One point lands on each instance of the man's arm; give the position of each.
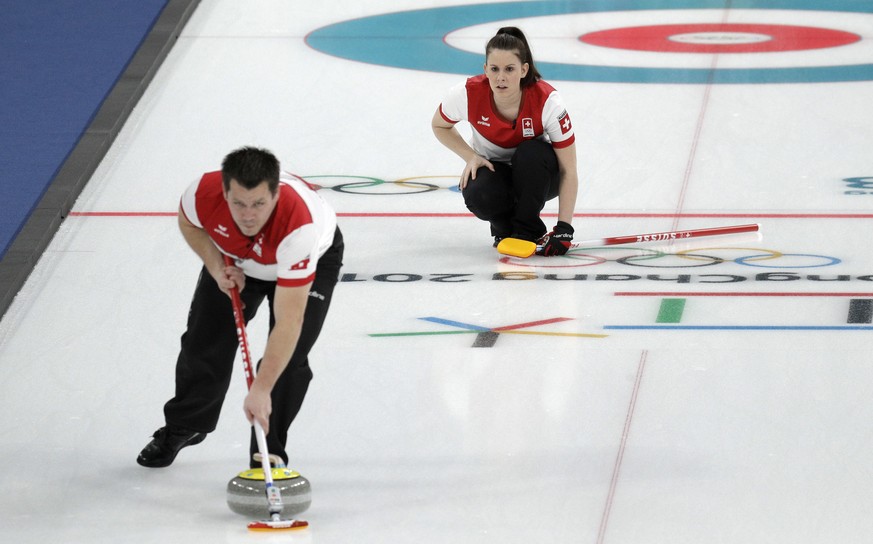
(289, 306)
(199, 241)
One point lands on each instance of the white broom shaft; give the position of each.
(274, 496)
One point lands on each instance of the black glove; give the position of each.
(556, 242)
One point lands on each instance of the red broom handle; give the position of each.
(241, 329)
(670, 235)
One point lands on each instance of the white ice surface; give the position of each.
(580, 432)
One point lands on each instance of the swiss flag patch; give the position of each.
(566, 124)
(301, 265)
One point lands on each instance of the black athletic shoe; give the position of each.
(166, 443)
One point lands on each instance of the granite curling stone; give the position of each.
(246, 492)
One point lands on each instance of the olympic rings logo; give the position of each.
(682, 259)
(366, 185)
(632, 256)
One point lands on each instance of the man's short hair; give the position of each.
(250, 166)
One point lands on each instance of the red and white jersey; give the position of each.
(298, 233)
(542, 115)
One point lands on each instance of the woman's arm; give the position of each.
(449, 136)
(569, 183)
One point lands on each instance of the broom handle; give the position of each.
(668, 236)
(274, 496)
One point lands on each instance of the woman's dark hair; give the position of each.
(250, 166)
(510, 38)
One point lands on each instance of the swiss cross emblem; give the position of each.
(527, 128)
(566, 125)
(301, 265)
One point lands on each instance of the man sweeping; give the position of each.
(286, 247)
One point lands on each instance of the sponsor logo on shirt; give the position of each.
(221, 231)
(484, 121)
(527, 130)
(564, 120)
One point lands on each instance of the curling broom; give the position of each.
(274, 496)
(524, 248)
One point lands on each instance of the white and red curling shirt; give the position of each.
(287, 248)
(542, 115)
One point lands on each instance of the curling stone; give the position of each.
(247, 495)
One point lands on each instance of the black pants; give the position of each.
(209, 346)
(512, 197)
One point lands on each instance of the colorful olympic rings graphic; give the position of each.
(375, 186)
(641, 257)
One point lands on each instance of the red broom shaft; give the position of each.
(678, 234)
(241, 329)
